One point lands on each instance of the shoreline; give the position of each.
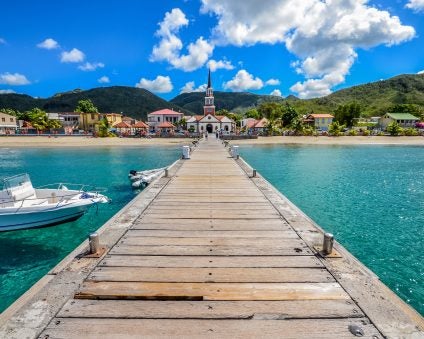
(66, 141)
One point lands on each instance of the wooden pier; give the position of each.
(211, 252)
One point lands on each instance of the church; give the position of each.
(209, 121)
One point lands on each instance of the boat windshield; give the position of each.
(18, 181)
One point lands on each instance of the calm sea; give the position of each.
(370, 197)
(25, 256)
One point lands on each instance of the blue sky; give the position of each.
(308, 48)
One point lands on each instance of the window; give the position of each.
(158, 119)
(201, 128)
(11, 119)
(3, 119)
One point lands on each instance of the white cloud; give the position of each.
(170, 45)
(159, 85)
(7, 91)
(103, 80)
(15, 79)
(421, 72)
(243, 81)
(272, 82)
(189, 87)
(324, 35)
(88, 66)
(74, 55)
(276, 92)
(214, 65)
(416, 5)
(48, 44)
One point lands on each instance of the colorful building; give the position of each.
(403, 119)
(8, 124)
(164, 115)
(320, 121)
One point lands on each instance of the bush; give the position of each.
(410, 132)
(366, 132)
(352, 132)
(394, 129)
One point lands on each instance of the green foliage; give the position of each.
(345, 114)
(289, 116)
(394, 128)
(335, 129)
(253, 113)
(86, 106)
(415, 110)
(366, 132)
(352, 132)
(9, 111)
(103, 128)
(271, 110)
(38, 119)
(410, 132)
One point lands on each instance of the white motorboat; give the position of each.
(22, 206)
(140, 179)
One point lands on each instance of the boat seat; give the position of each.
(23, 191)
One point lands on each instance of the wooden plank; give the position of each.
(210, 291)
(207, 214)
(197, 225)
(234, 275)
(207, 261)
(209, 250)
(131, 239)
(184, 309)
(169, 205)
(146, 220)
(178, 328)
(208, 234)
(209, 198)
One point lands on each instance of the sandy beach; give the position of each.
(45, 141)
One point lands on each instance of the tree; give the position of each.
(104, 127)
(253, 113)
(271, 110)
(394, 128)
(10, 111)
(182, 123)
(297, 126)
(38, 119)
(289, 115)
(335, 129)
(86, 106)
(346, 114)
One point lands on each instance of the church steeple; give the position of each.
(209, 107)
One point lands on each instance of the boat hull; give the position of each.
(42, 218)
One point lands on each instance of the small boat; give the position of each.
(140, 179)
(22, 206)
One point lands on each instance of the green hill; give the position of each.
(374, 99)
(235, 102)
(131, 101)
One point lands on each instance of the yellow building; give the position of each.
(113, 118)
(89, 121)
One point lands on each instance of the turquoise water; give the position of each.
(370, 197)
(25, 256)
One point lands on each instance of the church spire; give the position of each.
(209, 107)
(209, 79)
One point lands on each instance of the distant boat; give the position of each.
(22, 206)
(140, 179)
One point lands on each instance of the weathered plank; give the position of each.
(207, 261)
(262, 275)
(130, 239)
(209, 250)
(215, 214)
(186, 309)
(208, 234)
(210, 291)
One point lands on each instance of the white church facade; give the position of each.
(209, 121)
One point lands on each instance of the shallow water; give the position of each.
(370, 197)
(25, 256)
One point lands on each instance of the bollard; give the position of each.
(327, 246)
(94, 242)
(186, 152)
(237, 156)
(254, 173)
(235, 151)
(166, 173)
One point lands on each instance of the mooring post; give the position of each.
(166, 173)
(94, 242)
(254, 174)
(327, 246)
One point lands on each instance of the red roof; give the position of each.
(140, 124)
(121, 124)
(165, 111)
(261, 123)
(165, 124)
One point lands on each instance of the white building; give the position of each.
(163, 115)
(209, 121)
(8, 124)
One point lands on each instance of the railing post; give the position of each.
(94, 242)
